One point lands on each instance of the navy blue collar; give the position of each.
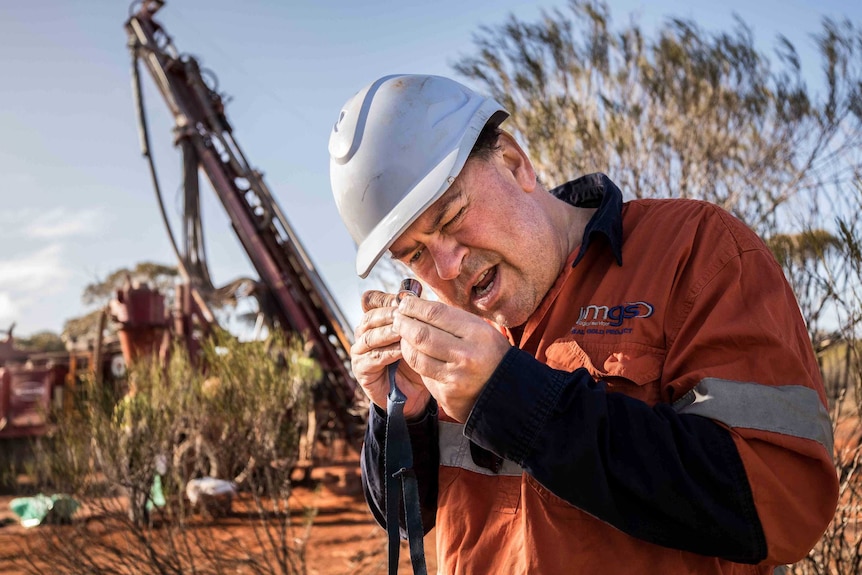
(597, 191)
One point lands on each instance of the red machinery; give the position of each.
(27, 390)
(33, 383)
(294, 295)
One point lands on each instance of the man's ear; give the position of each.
(517, 162)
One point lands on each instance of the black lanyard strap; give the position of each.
(398, 464)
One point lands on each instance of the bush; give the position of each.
(237, 418)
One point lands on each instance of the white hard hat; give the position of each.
(397, 146)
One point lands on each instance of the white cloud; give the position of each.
(32, 285)
(34, 275)
(11, 220)
(8, 309)
(60, 223)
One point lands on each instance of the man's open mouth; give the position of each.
(485, 284)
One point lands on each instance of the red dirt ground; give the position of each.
(343, 538)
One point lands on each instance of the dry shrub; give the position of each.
(236, 419)
(839, 551)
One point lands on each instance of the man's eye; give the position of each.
(454, 219)
(415, 257)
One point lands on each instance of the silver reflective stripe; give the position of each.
(788, 409)
(455, 452)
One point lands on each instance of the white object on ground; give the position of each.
(210, 490)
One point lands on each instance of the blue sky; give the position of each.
(77, 202)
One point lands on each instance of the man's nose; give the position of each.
(448, 256)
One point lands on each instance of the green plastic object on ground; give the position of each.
(39, 509)
(157, 496)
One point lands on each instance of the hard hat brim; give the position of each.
(408, 210)
(425, 193)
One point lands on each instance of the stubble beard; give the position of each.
(509, 310)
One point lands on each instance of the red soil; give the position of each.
(343, 537)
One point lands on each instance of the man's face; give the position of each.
(482, 246)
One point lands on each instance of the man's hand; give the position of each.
(377, 345)
(454, 351)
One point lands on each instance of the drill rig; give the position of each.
(290, 291)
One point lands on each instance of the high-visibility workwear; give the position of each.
(660, 412)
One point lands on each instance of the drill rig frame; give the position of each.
(296, 297)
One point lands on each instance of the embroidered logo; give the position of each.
(602, 315)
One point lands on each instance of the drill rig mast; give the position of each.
(299, 300)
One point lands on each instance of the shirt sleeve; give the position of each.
(666, 478)
(741, 357)
(426, 459)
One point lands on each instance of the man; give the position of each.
(603, 387)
